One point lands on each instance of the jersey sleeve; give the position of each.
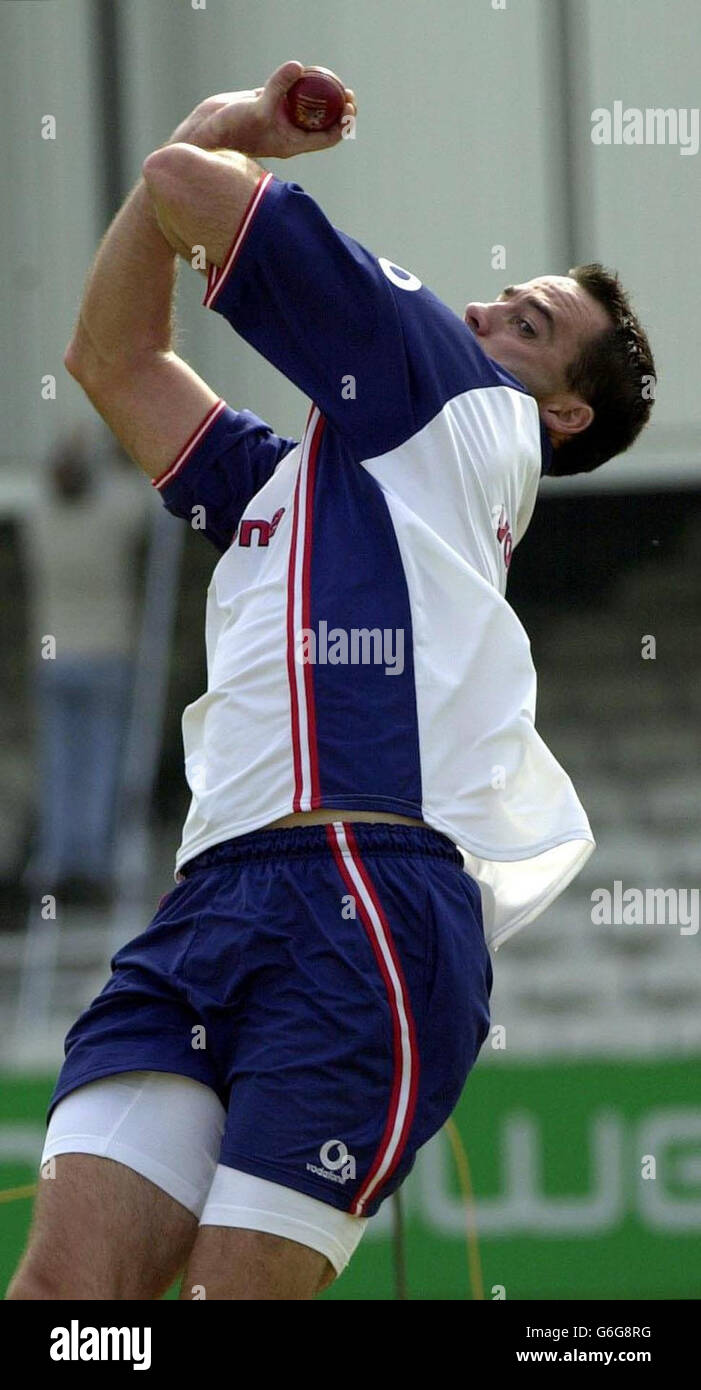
(227, 460)
(364, 339)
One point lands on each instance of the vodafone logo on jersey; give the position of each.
(503, 530)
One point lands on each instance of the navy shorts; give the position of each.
(330, 983)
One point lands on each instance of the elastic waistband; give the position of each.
(303, 840)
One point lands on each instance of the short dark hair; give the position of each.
(614, 372)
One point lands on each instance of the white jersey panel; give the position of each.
(490, 782)
(238, 759)
(456, 475)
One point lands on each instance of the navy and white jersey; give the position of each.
(361, 653)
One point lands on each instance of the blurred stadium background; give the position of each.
(473, 131)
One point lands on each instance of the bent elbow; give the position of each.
(72, 360)
(80, 357)
(152, 166)
(163, 165)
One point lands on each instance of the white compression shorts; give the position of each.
(168, 1128)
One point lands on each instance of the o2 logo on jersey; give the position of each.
(336, 1159)
(503, 530)
(403, 279)
(338, 1163)
(266, 530)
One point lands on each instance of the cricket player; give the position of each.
(373, 811)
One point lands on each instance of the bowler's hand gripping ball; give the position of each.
(316, 100)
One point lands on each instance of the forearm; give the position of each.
(126, 310)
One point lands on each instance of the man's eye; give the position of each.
(524, 324)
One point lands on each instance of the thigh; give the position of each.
(237, 1264)
(288, 1244)
(127, 1165)
(101, 1231)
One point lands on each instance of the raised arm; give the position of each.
(121, 351)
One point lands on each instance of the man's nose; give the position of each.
(477, 318)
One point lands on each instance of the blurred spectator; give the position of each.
(81, 539)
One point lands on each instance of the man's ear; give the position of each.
(565, 415)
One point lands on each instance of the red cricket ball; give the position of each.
(316, 100)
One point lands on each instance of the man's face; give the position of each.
(536, 329)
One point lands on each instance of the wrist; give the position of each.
(229, 125)
(201, 130)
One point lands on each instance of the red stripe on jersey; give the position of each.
(291, 673)
(315, 788)
(216, 277)
(188, 449)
